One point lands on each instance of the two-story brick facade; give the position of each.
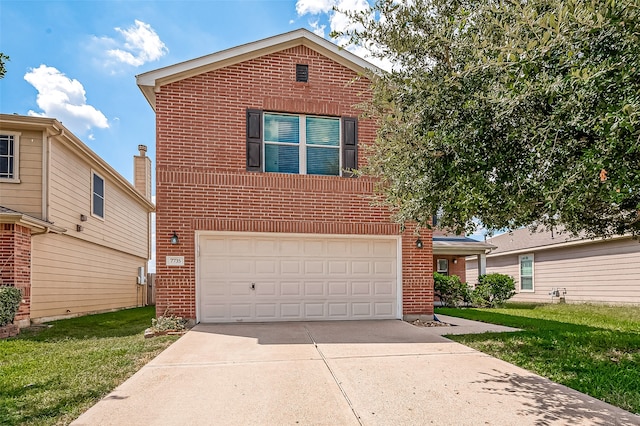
(254, 148)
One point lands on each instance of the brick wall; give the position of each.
(15, 265)
(202, 183)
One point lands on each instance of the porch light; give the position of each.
(419, 243)
(174, 238)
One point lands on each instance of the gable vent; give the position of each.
(302, 73)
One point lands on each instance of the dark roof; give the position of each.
(523, 238)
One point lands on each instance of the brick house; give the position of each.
(258, 217)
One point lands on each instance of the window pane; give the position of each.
(98, 185)
(526, 267)
(323, 131)
(98, 205)
(526, 283)
(323, 161)
(4, 144)
(281, 128)
(4, 168)
(281, 158)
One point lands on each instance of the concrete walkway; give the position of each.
(339, 373)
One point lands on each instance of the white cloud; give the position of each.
(141, 45)
(314, 7)
(317, 28)
(339, 22)
(64, 99)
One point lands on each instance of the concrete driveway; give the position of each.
(339, 373)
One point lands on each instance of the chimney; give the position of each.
(142, 172)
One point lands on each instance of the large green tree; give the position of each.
(523, 112)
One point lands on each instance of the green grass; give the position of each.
(591, 348)
(53, 375)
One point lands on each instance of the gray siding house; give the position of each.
(549, 266)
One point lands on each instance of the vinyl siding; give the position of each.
(26, 196)
(71, 277)
(601, 272)
(126, 222)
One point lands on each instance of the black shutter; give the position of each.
(349, 145)
(254, 140)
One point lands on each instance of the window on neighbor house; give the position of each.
(9, 156)
(97, 198)
(442, 266)
(526, 272)
(301, 144)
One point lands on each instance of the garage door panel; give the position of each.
(314, 267)
(338, 289)
(266, 288)
(296, 278)
(290, 310)
(337, 267)
(338, 310)
(314, 310)
(360, 267)
(312, 288)
(290, 267)
(288, 288)
(385, 288)
(361, 309)
(361, 288)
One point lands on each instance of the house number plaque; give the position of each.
(175, 260)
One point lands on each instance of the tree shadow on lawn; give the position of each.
(602, 362)
(550, 403)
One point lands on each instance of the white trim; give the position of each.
(203, 233)
(533, 274)
(104, 195)
(16, 156)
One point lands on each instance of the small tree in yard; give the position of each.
(493, 290)
(451, 291)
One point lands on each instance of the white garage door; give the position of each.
(291, 278)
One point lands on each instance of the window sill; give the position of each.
(7, 180)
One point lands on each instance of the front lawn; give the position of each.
(593, 349)
(52, 375)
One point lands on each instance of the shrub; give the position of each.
(10, 298)
(451, 291)
(493, 290)
(167, 323)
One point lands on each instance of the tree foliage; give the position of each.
(3, 69)
(512, 112)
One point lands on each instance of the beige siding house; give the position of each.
(550, 266)
(73, 232)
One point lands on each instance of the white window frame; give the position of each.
(302, 143)
(16, 157)
(442, 270)
(104, 195)
(533, 265)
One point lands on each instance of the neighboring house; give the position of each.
(258, 216)
(550, 265)
(73, 232)
(450, 253)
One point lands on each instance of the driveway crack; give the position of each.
(335, 378)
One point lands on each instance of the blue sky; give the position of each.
(76, 61)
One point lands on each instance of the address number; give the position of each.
(175, 260)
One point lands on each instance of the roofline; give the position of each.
(31, 222)
(559, 245)
(151, 81)
(56, 129)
